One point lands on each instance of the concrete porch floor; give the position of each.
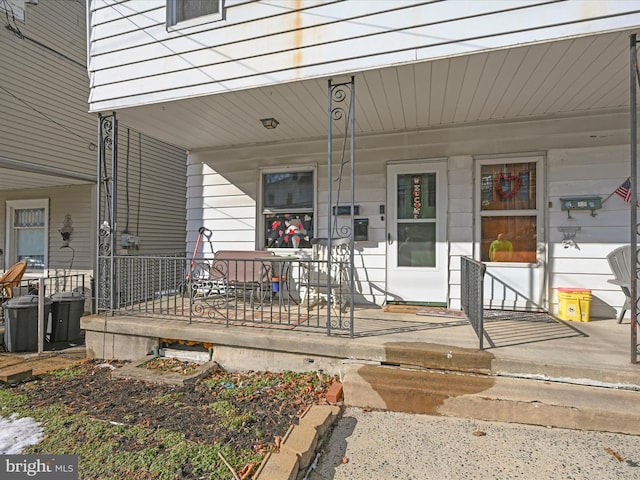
(587, 353)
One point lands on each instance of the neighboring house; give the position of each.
(48, 152)
(472, 121)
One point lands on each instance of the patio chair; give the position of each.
(317, 272)
(620, 263)
(11, 279)
(242, 274)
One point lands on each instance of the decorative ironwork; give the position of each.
(107, 171)
(342, 156)
(341, 117)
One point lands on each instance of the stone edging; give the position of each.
(299, 445)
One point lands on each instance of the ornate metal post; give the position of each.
(106, 211)
(341, 111)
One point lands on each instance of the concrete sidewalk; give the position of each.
(372, 445)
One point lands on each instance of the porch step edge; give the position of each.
(572, 374)
(482, 397)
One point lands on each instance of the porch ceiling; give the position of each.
(567, 77)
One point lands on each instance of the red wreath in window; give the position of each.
(515, 183)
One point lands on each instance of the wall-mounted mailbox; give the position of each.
(581, 203)
(361, 229)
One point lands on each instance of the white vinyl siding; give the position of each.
(272, 42)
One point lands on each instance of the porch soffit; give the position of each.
(568, 77)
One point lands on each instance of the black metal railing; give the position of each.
(243, 288)
(501, 296)
(472, 294)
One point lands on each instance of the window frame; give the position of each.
(11, 250)
(263, 212)
(172, 22)
(537, 212)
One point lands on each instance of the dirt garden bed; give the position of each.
(124, 428)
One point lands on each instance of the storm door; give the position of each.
(416, 232)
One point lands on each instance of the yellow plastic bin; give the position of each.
(574, 304)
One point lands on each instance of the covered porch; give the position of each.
(463, 117)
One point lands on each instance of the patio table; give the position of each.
(280, 269)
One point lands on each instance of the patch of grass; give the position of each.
(168, 398)
(11, 402)
(111, 451)
(232, 417)
(68, 372)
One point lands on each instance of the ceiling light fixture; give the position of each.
(269, 123)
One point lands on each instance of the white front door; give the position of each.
(416, 232)
(509, 193)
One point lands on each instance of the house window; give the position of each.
(508, 212)
(192, 12)
(288, 200)
(27, 237)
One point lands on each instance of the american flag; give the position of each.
(624, 191)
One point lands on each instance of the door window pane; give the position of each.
(416, 196)
(417, 244)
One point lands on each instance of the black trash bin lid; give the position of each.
(67, 297)
(26, 301)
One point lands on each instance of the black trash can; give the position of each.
(21, 323)
(66, 310)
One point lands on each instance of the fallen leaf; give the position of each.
(615, 454)
(247, 471)
(479, 433)
(344, 460)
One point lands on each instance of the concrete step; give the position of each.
(493, 398)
